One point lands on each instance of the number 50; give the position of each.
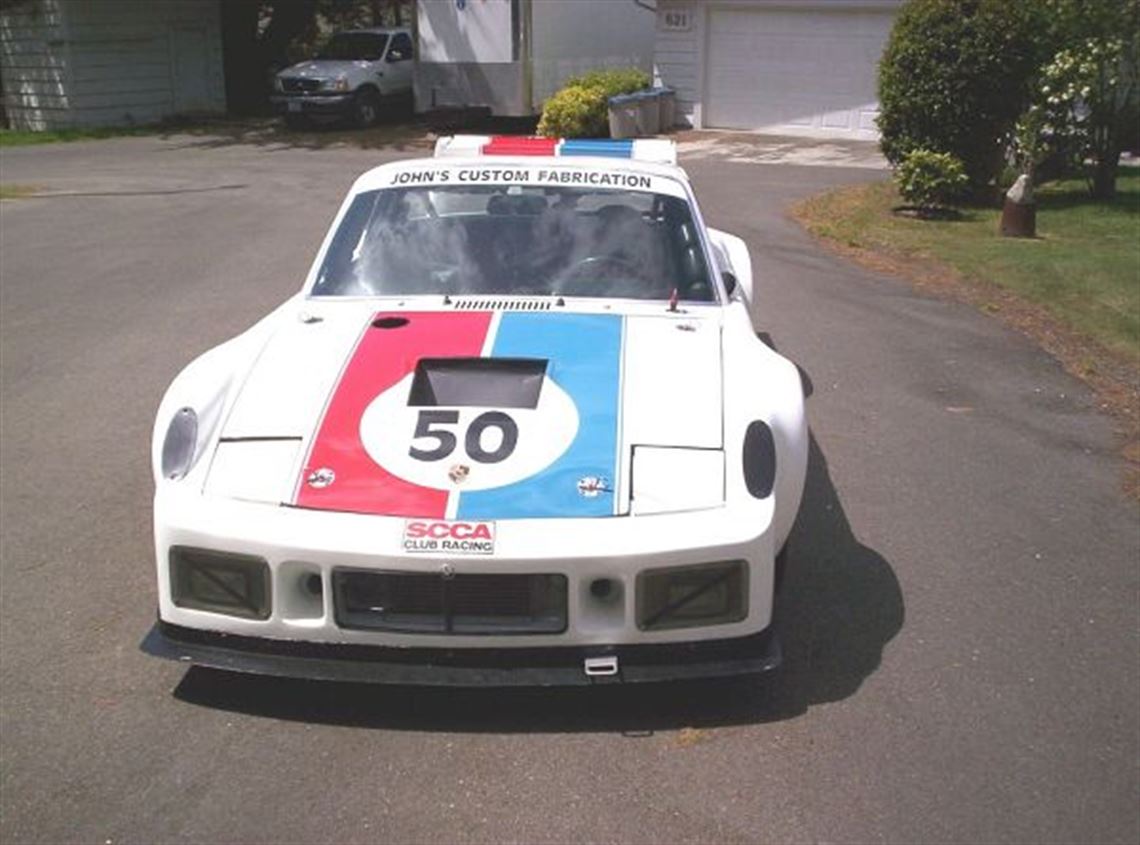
(433, 425)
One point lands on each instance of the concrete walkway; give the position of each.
(754, 148)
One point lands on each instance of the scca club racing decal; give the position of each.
(411, 431)
(457, 538)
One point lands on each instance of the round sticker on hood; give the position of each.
(468, 448)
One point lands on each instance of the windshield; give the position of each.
(355, 46)
(516, 240)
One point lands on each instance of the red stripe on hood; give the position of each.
(380, 360)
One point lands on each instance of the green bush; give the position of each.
(954, 78)
(581, 108)
(612, 82)
(575, 113)
(931, 180)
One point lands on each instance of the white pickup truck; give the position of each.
(352, 76)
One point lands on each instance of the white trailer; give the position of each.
(509, 56)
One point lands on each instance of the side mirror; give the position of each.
(729, 281)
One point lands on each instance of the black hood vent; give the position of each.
(514, 304)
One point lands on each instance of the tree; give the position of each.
(255, 39)
(954, 78)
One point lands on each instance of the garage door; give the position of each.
(809, 72)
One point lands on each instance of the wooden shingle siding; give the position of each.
(33, 64)
(677, 56)
(97, 62)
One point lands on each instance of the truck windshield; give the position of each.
(515, 240)
(355, 47)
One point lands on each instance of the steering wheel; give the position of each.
(597, 281)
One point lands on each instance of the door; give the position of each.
(190, 70)
(808, 72)
(398, 65)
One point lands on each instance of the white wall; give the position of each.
(105, 62)
(480, 32)
(574, 36)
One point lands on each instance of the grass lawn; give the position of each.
(12, 192)
(1083, 268)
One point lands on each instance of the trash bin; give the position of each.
(648, 113)
(624, 112)
(667, 99)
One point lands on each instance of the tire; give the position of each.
(365, 108)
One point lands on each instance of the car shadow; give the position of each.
(840, 605)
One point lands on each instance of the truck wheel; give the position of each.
(366, 108)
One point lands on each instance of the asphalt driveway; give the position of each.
(960, 613)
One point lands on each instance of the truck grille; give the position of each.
(463, 604)
(296, 85)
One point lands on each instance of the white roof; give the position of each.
(546, 171)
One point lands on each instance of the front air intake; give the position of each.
(429, 603)
(220, 582)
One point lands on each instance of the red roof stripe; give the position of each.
(513, 145)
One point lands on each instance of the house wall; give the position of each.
(479, 32)
(70, 63)
(34, 66)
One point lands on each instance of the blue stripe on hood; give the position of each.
(584, 354)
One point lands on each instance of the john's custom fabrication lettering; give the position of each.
(508, 176)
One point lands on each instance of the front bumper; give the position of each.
(312, 104)
(467, 667)
(302, 545)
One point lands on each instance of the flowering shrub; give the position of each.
(1084, 107)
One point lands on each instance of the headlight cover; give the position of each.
(338, 84)
(180, 444)
(675, 479)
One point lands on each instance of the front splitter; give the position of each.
(466, 667)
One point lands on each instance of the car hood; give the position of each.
(321, 69)
(478, 414)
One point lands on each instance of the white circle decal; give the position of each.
(470, 448)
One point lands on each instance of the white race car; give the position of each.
(517, 428)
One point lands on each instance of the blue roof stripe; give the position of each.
(599, 147)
